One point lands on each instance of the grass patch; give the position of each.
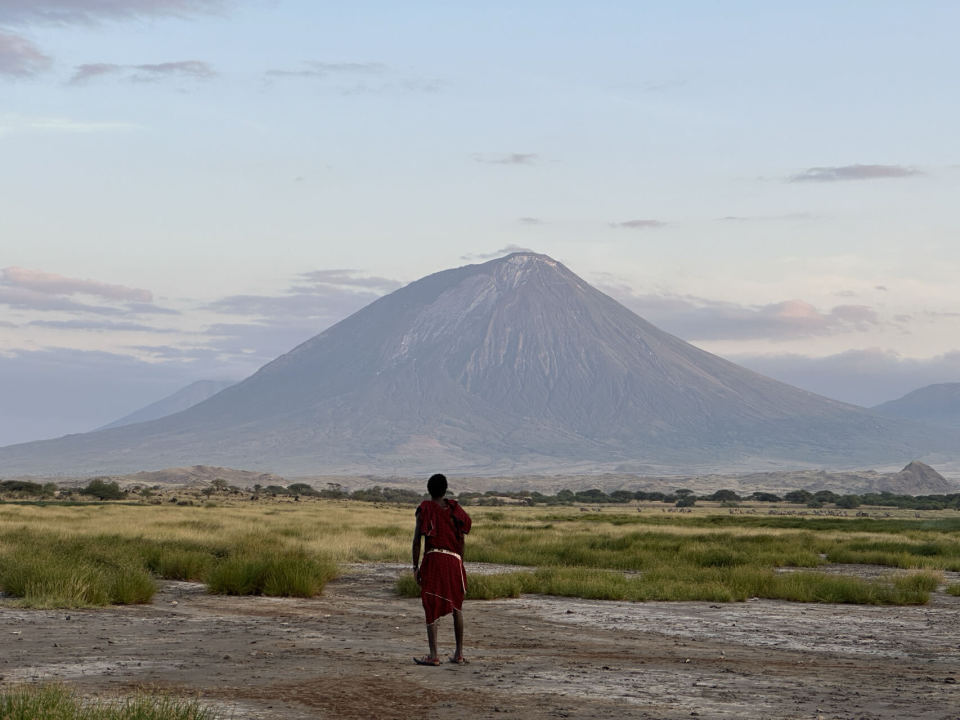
(479, 587)
(954, 589)
(271, 572)
(71, 578)
(710, 585)
(637, 556)
(56, 702)
(45, 570)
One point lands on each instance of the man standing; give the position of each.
(442, 523)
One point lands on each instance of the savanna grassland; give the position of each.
(295, 610)
(111, 553)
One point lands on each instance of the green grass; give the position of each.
(60, 556)
(47, 570)
(271, 572)
(954, 589)
(710, 585)
(56, 702)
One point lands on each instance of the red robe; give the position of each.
(443, 581)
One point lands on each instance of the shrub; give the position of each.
(103, 489)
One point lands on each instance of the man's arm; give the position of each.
(415, 550)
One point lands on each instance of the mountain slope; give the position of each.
(513, 364)
(181, 400)
(935, 404)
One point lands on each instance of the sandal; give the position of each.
(461, 660)
(427, 660)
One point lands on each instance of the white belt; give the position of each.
(445, 552)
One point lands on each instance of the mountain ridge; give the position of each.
(182, 399)
(937, 404)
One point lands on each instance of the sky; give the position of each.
(190, 188)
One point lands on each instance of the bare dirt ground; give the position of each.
(348, 654)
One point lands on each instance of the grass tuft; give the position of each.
(271, 572)
(56, 702)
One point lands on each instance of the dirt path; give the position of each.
(348, 655)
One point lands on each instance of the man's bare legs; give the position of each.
(458, 634)
(432, 640)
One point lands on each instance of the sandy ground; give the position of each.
(348, 654)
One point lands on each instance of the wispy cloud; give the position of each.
(507, 158)
(326, 70)
(53, 284)
(639, 224)
(191, 69)
(355, 78)
(530, 221)
(854, 172)
(20, 58)
(787, 217)
(695, 318)
(88, 11)
(346, 279)
(99, 326)
(24, 299)
(506, 250)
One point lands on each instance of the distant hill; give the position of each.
(514, 365)
(936, 404)
(181, 400)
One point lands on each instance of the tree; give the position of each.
(219, 485)
(825, 496)
(302, 489)
(799, 497)
(723, 496)
(103, 489)
(848, 501)
(687, 501)
(765, 497)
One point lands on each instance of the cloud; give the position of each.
(854, 172)
(695, 319)
(356, 78)
(861, 377)
(326, 70)
(530, 221)
(800, 216)
(506, 250)
(53, 284)
(191, 69)
(348, 279)
(15, 12)
(507, 158)
(98, 326)
(150, 309)
(639, 224)
(20, 58)
(24, 299)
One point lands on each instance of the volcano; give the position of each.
(512, 365)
